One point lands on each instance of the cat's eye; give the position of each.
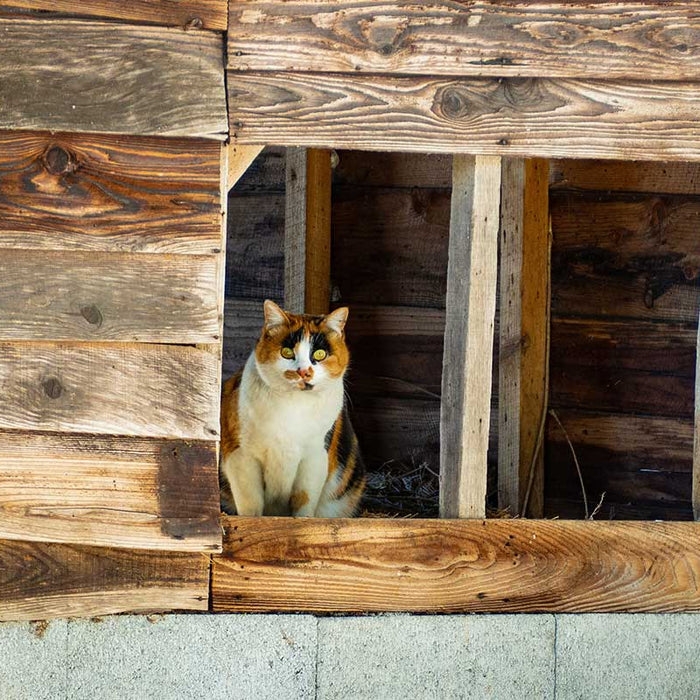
(288, 353)
(319, 355)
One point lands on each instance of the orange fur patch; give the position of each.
(229, 415)
(298, 499)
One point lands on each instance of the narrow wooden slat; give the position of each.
(640, 40)
(61, 295)
(511, 117)
(210, 13)
(307, 231)
(295, 215)
(86, 192)
(113, 389)
(46, 580)
(467, 359)
(101, 490)
(318, 232)
(510, 333)
(534, 328)
(114, 78)
(240, 159)
(501, 565)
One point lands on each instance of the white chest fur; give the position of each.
(285, 425)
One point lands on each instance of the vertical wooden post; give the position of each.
(524, 326)
(467, 361)
(307, 231)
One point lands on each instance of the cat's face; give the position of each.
(302, 353)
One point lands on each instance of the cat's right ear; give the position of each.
(274, 316)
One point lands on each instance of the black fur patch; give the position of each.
(319, 342)
(293, 339)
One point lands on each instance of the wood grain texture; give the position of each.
(181, 13)
(623, 176)
(318, 231)
(112, 389)
(240, 159)
(295, 216)
(510, 352)
(108, 193)
(66, 295)
(556, 39)
(535, 321)
(467, 360)
(443, 566)
(113, 78)
(546, 118)
(45, 580)
(101, 490)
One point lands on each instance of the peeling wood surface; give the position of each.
(182, 13)
(280, 564)
(545, 118)
(113, 78)
(115, 389)
(107, 193)
(107, 491)
(41, 581)
(71, 295)
(637, 40)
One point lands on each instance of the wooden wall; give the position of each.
(111, 304)
(624, 304)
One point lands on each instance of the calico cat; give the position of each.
(287, 445)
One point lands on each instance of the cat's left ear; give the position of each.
(274, 316)
(336, 320)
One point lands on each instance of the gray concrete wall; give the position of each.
(390, 656)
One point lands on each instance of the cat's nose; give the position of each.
(304, 373)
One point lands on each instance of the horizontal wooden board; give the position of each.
(625, 176)
(109, 193)
(45, 580)
(509, 117)
(280, 564)
(102, 490)
(113, 78)
(113, 389)
(555, 39)
(210, 13)
(61, 295)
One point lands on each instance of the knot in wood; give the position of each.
(58, 161)
(92, 315)
(194, 23)
(52, 387)
(453, 103)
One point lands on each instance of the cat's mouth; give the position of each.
(305, 386)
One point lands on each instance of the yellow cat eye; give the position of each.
(319, 355)
(287, 353)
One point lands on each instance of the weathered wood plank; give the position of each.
(555, 39)
(317, 291)
(624, 176)
(456, 566)
(535, 308)
(113, 78)
(572, 509)
(200, 14)
(295, 215)
(467, 359)
(63, 191)
(46, 580)
(111, 389)
(61, 295)
(101, 490)
(240, 159)
(510, 117)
